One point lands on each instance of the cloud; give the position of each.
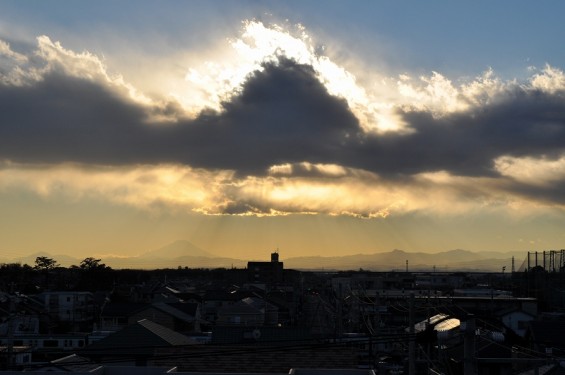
(283, 114)
(149, 187)
(327, 190)
(288, 138)
(541, 178)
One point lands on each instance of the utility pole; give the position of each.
(469, 358)
(339, 311)
(377, 327)
(10, 364)
(412, 339)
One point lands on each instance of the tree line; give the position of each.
(48, 274)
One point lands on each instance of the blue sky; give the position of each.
(231, 123)
(464, 37)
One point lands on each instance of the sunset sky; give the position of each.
(315, 127)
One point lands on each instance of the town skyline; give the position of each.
(243, 128)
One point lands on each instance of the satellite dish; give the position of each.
(256, 334)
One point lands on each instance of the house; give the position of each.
(266, 272)
(15, 356)
(249, 311)
(155, 291)
(115, 315)
(516, 321)
(178, 316)
(76, 309)
(49, 343)
(135, 344)
(214, 300)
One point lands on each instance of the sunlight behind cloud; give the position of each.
(441, 96)
(549, 80)
(217, 81)
(84, 65)
(50, 57)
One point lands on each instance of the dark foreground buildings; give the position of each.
(266, 319)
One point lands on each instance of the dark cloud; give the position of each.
(553, 193)
(282, 115)
(67, 119)
(525, 124)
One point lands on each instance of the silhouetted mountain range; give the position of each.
(185, 254)
(396, 260)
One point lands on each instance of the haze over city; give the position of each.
(316, 128)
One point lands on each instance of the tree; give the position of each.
(45, 264)
(15, 276)
(94, 274)
(92, 264)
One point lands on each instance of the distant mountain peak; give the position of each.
(177, 249)
(459, 251)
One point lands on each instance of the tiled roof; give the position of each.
(141, 337)
(170, 337)
(172, 310)
(186, 307)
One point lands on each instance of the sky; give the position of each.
(312, 127)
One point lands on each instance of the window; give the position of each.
(50, 343)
